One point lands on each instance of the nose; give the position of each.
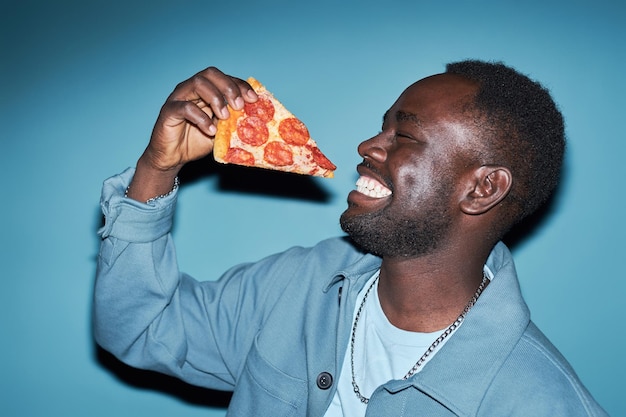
(374, 148)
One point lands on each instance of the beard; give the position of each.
(385, 233)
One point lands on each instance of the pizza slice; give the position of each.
(265, 134)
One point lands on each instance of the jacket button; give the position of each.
(324, 380)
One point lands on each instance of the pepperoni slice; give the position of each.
(253, 131)
(320, 159)
(263, 108)
(239, 156)
(293, 131)
(277, 153)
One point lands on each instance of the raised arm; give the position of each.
(185, 128)
(146, 312)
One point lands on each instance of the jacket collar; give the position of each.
(361, 269)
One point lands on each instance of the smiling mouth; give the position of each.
(372, 188)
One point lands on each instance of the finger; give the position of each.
(235, 90)
(217, 90)
(246, 91)
(188, 111)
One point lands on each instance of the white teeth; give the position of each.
(372, 188)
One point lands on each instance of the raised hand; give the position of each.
(185, 128)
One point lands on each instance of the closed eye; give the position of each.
(406, 137)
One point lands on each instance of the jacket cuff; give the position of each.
(130, 220)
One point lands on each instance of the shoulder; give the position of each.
(538, 381)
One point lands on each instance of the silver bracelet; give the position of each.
(153, 199)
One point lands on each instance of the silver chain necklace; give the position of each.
(430, 349)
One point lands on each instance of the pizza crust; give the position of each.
(225, 129)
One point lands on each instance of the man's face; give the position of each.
(404, 204)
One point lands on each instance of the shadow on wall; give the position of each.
(238, 179)
(154, 381)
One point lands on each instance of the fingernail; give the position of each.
(224, 112)
(251, 94)
(239, 103)
(212, 130)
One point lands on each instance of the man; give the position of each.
(419, 313)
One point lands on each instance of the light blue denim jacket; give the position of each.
(275, 331)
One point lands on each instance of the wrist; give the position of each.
(158, 197)
(150, 183)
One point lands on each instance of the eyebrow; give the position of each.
(402, 116)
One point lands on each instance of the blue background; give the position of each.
(82, 83)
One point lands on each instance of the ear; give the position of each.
(487, 186)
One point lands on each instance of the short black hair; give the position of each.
(524, 130)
